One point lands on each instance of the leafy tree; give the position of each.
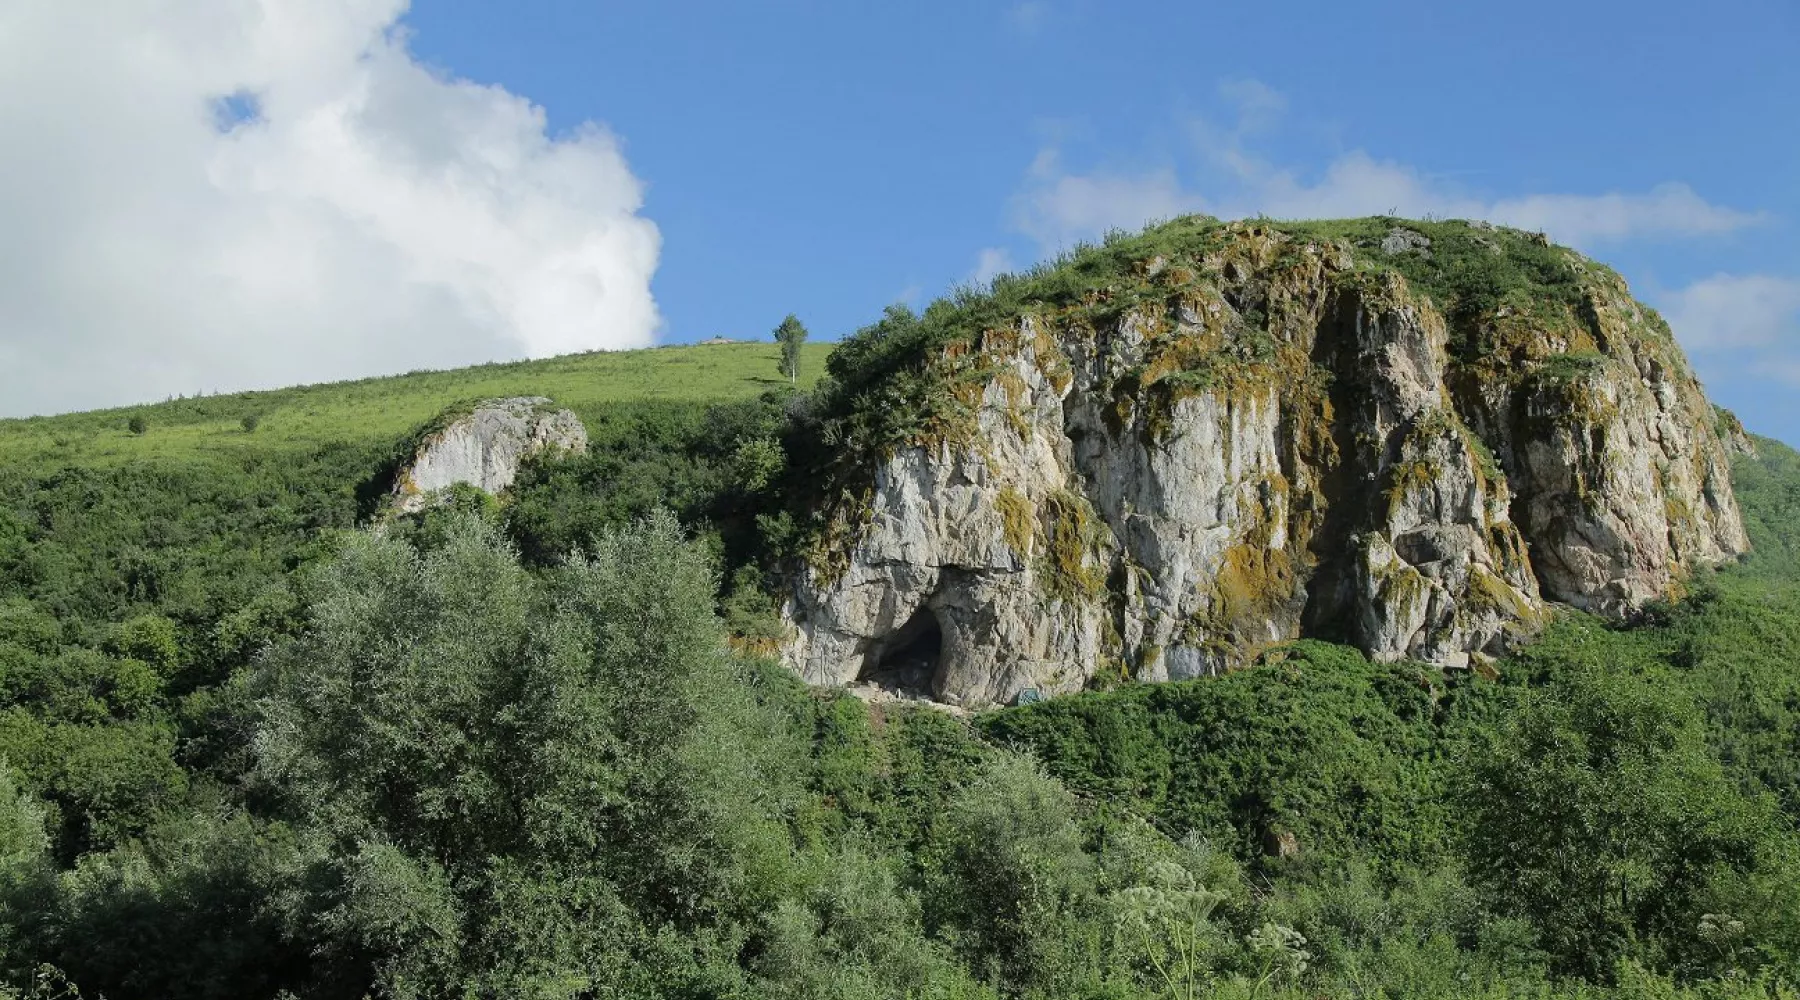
(757, 462)
(25, 873)
(853, 932)
(520, 780)
(1598, 814)
(790, 335)
(150, 638)
(106, 781)
(198, 908)
(1014, 885)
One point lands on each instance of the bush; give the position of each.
(520, 779)
(1598, 815)
(1320, 752)
(1014, 887)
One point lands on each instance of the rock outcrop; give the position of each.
(1275, 437)
(485, 446)
(1731, 431)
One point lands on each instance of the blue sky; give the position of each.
(214, 195)
(829, 158)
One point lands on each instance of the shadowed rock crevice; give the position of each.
(1343, 486)
(906, 662)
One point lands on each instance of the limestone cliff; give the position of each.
(1164, 455)
(484, 447)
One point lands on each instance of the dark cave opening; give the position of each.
(907, 662)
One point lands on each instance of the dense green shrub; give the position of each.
(196, 908)
(710, 465)
(1011, 886)
(1768, 491)
(1598, 814)
(1623, 798)
(1318, 751)
(520, 779)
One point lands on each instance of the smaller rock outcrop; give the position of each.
(1400, 240)
(485, 447)
(1737, 441)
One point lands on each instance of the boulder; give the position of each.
(484, 448)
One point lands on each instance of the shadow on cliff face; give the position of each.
(907, 663)
(1346, 484)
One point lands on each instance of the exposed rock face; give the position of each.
(1285, 443)
(1731, 432)
(485, 447)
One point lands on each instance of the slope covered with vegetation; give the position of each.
(139, 568)
(505, 750)
(377, 412)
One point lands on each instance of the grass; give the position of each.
(387, 409)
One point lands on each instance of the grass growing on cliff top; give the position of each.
(383, 410)
(882, 388)
(1468, 269)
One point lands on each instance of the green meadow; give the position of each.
(385, 409)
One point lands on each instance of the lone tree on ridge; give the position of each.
(790, 335)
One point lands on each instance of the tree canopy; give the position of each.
(790, 335)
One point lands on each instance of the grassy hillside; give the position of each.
(385, 409)
(250, 751)
(1768, 492)
(191, 530)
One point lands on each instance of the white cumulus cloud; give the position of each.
(1058, 207)
(1220, 174)
(223, 194)
(1736, 311)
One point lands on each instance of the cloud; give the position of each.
(991, 263)
(219, 194)
(1257, 104)
(1057, 207)
(1665, 210)
(1028, 15)
(1223, 175)
(1743, 332)
(1733, 312)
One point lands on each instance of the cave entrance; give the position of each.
(907, 662)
